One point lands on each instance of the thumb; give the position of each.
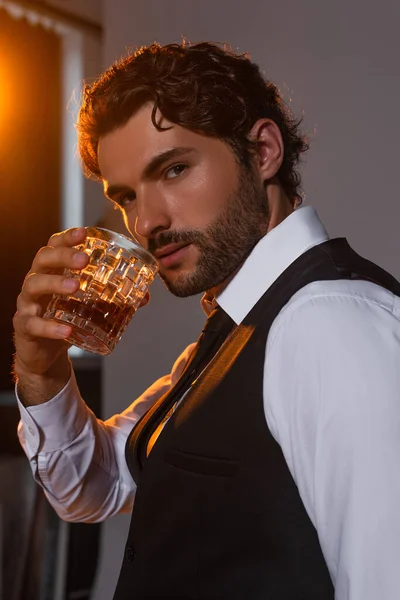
(145, 300)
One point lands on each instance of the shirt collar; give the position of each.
(281, 246)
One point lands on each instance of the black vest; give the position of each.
(217, 515)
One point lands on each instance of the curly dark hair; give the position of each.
(203, 87)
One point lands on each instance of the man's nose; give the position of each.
(152, 215)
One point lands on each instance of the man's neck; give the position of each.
(279, 211)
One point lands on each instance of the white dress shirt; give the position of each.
(331, 399)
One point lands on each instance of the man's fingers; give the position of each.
(36, 327)
(53, 259)
(37, 285)
(69, 237)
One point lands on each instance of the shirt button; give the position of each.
(129, 554)
(31, 431)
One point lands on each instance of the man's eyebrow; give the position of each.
(150, 169)
(148, 172)
(157, 161)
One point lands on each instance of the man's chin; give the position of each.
(181, 285)
(184, 285)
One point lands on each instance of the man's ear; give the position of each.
(269, 147)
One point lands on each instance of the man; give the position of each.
(265, 466)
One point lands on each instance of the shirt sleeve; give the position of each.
(332, 402)
(78, 459)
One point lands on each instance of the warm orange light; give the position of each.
(219, 366)
(6, 112)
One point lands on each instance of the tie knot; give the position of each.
(218, 322)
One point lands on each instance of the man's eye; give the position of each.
(175, 171)
(125, 200)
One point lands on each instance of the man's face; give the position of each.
(185, 198)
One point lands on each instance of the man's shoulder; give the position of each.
(326, 308)
(332, 291)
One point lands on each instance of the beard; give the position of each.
(225, 244)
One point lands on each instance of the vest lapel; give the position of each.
(216, 329)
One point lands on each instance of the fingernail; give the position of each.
(79, 258)
(63, 330)
(70, 284)
(77, 232)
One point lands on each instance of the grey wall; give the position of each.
(91, 10)
(338, 61)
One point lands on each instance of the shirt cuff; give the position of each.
(55, 424)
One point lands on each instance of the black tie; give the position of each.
(215, 331)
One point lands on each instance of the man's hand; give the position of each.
(41, 360)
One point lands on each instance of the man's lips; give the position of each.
(167, 250)
(171, 256)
